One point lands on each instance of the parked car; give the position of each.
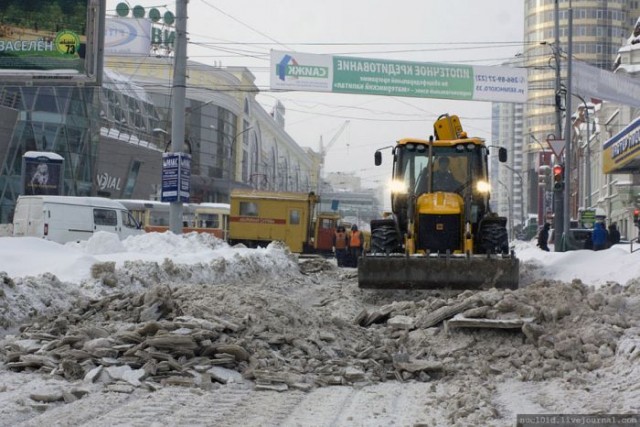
(70, 219)
(576, 239)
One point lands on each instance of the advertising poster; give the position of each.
(42, 173)
(49, 40)
(127, 36)
(185, 177)
(176, 177)
(170, 177)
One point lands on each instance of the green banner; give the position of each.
(342, 74)
(393, 78)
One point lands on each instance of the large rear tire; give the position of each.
(494, 238)
(384, 237)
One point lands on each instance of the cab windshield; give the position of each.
(449, 169)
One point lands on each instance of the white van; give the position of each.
(70, 219)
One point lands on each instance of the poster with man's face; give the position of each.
(42, 176)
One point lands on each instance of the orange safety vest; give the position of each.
(355, 241)
(341, 240)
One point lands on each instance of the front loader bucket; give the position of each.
(438, 272)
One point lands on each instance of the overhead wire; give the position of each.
(264, 56)
(449, 46)
(244, 24)
(239, 49)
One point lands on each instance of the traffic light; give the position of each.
(636, 216)
(558, 177)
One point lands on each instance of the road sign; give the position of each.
(557, 146)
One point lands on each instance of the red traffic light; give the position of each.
(558, 177)
(557, 171)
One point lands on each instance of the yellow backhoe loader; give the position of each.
(442, 233)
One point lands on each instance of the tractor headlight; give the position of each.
(483, 187)
(398, 187)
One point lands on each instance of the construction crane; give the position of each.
(324, 149)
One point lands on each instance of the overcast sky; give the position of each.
(242, 33)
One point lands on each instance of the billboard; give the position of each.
(127, 36)
(342, 74)
(42, 173)
(621, 152)
(51, 41)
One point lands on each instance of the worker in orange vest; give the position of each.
(356, 243)
(340, 245)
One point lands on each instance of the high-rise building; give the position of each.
(508, 182)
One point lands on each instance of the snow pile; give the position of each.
(617, 264)
(103, 265)
(307, 331)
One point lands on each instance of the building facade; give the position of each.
(598, 31)
(233, 141)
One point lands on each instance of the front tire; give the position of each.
(494, 238)
(384, 237)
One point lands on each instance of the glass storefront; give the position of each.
(55, 119)
(69, 122)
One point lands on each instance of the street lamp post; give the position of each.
(510, 207)
(542, 190)
(538, 142)
(522, 219)
(230, 171)
(587, 166)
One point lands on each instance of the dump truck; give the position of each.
(442, 232)
(260, 217)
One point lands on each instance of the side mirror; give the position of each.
(377, 158)
(502, 154)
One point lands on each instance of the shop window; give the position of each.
(46, 101)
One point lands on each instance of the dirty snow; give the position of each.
(301, 322)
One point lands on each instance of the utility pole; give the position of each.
(566, 206)
(587, 176)
(522, 218)
(557, 192)
(556, 54)
(177, 110)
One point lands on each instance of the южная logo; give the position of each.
(67, 42)
(289, 67)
